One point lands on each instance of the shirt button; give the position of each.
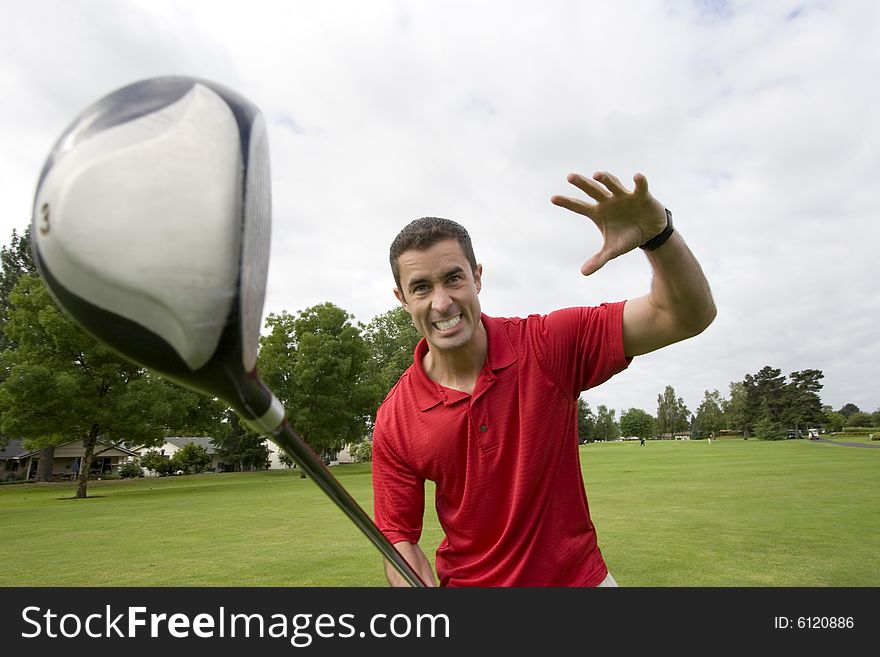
(483, 428)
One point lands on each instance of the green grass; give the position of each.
(737, 513)
(733, 513)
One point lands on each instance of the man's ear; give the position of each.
(478, 278)
(401, 298)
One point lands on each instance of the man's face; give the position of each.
(440, 292)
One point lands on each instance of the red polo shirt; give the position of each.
(509, 492)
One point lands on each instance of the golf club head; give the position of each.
(151, 229)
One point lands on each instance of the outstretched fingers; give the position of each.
(610, 181)
(620, 214)
(574, 204)
(590, 186)
(601, 187)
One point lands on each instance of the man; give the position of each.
(488, 409)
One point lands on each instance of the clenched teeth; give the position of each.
(447, 324)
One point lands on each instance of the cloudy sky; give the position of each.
(753, 120)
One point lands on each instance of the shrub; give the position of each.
(131, 469)
(362, 451)
(191, 458)
(286, 459)
(864, 431)
(154, 461)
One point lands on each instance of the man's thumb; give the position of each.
(594, 264)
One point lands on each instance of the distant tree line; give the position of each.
(765, 405)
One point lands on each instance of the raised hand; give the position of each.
(626, 219)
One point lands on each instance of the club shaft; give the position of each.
(314, 467)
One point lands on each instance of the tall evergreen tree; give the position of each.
(765, 396)
(803, 405)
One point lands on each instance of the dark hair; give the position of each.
(424, 233)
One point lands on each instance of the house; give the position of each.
(274, 456)
(342, 456)
(12, 466)
(174, 444)
(218, 464)
(18, 462)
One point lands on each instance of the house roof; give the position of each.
(201, 441)
(13, 450)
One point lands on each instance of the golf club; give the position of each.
(151, 229)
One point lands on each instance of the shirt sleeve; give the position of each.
(398, 493)
(580, 348)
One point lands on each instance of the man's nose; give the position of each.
(441, 300)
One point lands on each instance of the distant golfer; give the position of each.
(641, 441)
(488, 409)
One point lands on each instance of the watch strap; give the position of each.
(659, 239)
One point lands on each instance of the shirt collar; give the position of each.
(500, 354)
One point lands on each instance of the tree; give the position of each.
(848, 409)
(606, 426)
(777, 404)
(802, 404)
(286, 459)
(16, 261)
(63, 385)
(709, 419)
(586, 420)
(361, 452)
(391, 339)
(767, 427)
(765, 396)
(245, 449)
(316, 364)
(636, 422)
(672, 414)
(191, 458)
(734, 409)
(859, 419)
(832, 420)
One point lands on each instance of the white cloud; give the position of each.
(753, 121)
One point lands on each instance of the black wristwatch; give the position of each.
(658, 240)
